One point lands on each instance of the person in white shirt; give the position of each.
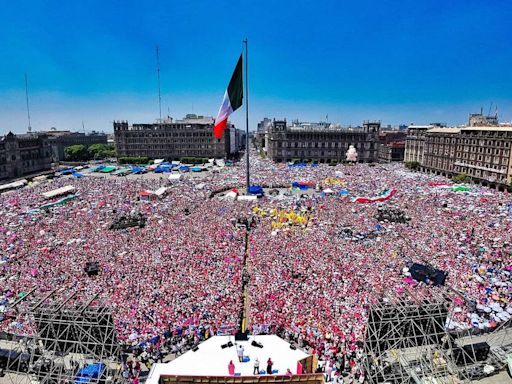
(240, 353)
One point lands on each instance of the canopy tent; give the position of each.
(328, 191)
(231, 195)
(158, 161)
(97, 168)
(59, 192)
(256, 190)
(200, 186)
(161, 192)
(175, 176)
(108, 169)
(78, 175)
(197, 169)
(184, 168)
(138, 170)
(13, 185)
(147, 195)
(122, 171)
(68, 171)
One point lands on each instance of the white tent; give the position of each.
(13, 185)
(200, 186)
(59, 192)
(328, 190)
(161, 192)
(175, 176)
(231, 195)
(158, 161)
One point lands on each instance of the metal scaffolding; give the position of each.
(73, 338)
(407, 341)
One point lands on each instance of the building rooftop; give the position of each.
(413, 126)
(444, 130)
(495, 128)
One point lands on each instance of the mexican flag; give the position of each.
(383, 196)
(232, 100)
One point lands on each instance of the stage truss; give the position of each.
(70, 337)
(407, 341)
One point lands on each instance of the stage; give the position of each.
(212, 360)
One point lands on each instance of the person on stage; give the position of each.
(256, 370)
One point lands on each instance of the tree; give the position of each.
(77, 152)
(101, 151)
(461, 178)
(412, 164)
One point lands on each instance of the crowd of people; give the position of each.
(178, 280)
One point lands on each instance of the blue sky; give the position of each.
(397, 61)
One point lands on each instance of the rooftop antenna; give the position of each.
(490, 107)
(28, 108)
(158, 74)
(83, 126)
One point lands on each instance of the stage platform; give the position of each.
(212, 360)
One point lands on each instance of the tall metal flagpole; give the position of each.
(158, 74)
(28, 109)
(247, 116)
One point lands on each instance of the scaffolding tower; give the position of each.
(72, 339)
(407, 341)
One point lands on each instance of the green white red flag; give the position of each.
(232, 100)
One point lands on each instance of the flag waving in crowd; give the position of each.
(232, 100)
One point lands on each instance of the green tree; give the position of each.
(77, 152)
(412, 164)
(461, 178)
(101, 151)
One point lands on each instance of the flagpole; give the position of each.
(247, 117)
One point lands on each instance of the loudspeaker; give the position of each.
(256, 344)
(230, 344)
(195, 348)
(293, 347)
(224, 346)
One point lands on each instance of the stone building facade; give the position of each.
(415, 143)
(440, 150)
(189, 137)
(485, 154)
(59, 140)
(23, 155)
(322, 142)
(391, 146)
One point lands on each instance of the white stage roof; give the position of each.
(212, 360)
